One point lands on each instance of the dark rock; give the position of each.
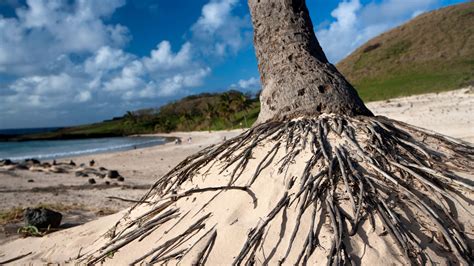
(5, 162)
(32, 161)
(81, 174)
(42, 218)
(89, 171)
(107, 182)
(102, 169)
(91, 163)
(30, 181)
(83, 165)
(113, 174)
(72, 163)
(91, 181)
(22, 166)
(121, 179)
(57, 170)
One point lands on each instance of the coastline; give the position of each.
(80, 201)
(45, 150)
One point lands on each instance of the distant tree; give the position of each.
(211, 113)
(242, 103)
(225, 109)
(130, 117)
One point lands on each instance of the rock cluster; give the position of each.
(63, 167)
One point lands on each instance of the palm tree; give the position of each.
(242, 104)
(225, 108)
(130, 117)
(211, 113)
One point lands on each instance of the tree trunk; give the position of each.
(297, 79)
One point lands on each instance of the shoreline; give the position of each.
(59, 155)
(81, 201)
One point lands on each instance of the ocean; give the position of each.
(53, 149)
(24, 131)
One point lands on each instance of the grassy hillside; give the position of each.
(432, 52)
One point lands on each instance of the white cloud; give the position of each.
(83, 96)
(247, 85)
(417, 13)
(46, 30)
(106, 58)
(219, 31)
(176, 83)
(356, 23)
(214, 14)
(65, 57)
(41, 92)
(131, 78)
(250, 83)
(43, 85)
(162, 58)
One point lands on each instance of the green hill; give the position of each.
(432, 52)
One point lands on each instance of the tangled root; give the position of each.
(356, 169)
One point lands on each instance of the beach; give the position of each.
(449, 113)
(81, 201)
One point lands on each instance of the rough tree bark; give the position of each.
(296, 76)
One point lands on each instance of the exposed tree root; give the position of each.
(356, 169)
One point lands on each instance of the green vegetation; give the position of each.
(431, 53)
(31, 230)
(216, 111)
(12, 215)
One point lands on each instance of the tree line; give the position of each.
(206, 111)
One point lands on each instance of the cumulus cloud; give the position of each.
(219, 31)
(183, 80)
(62, 55)
(105, 59)
(130, 78)
(45, 30)
(355, 23)
(162, 58)
(41, 92)
(251, 84)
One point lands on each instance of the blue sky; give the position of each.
(80, 61)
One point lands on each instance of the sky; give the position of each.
(69, 62)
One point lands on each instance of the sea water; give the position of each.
(53, 149)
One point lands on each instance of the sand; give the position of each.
(82, 202)
(448, 113)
